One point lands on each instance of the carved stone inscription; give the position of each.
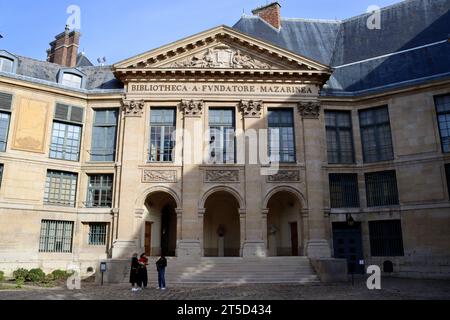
(159, 176)
(222, 176)
(285, 176)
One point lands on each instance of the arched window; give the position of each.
(6, 64)
(71, 80)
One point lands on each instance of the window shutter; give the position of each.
(69, 113)
(76, 114)
(62, 111)
(5, 101)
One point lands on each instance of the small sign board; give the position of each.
(361, 262)
(103, 267)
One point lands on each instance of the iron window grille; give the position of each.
(386, 238)
(339, 137)
(281, 136)
(56, 236)
(381, 188)
(104, 135)
(100, 191)
(162, 129)
(376, 135)
(60, 188)
(344, 190)
(97, 234)
(443, 114)
(222, 145)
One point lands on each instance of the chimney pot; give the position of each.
(270, 13)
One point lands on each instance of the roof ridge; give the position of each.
(402, 3)
(312, 20)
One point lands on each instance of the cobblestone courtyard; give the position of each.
(392, 289)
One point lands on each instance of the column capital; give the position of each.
(192, 108)
(133, 108)
(309, 109)
(251, 108)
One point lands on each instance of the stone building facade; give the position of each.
(348, 152)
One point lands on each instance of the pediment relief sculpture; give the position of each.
(221, 57)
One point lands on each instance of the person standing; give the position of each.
(161, 266)
(142, 272)
(134, 273)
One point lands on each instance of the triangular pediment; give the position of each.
(221, 48)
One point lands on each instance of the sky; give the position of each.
(118, 29)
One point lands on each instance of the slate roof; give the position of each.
(411, 47)
(369, 60)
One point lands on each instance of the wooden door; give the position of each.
(294, 239)
(148, 238)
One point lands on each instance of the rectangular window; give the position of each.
(162, 128)
(66, 140)
(344, 190)
(447, 173)
(386, 238)
(281, 136)
(104, 135)
(97, 234)
(60, 188)
(100, 191)
(71, 80)
(56, 236)
(376, 135)
(339, 137)
(443, 113)
(381, 188)
(6, 65)
(222, 136)
(5, 117)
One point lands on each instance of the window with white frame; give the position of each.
(72, 80)
(5, 117)
(100, 191)
(162, 128)
(60, 188)
(222, 136)
(281, 136)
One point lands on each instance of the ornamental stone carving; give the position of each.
(221, 57)
(222, 176)
(309, 110)
(159, 176)
(285, 176)
(132, 108)
(192, 108)
(251, 109)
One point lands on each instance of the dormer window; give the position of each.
(71, 78)
(6, 64)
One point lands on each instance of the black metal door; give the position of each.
(347, 242)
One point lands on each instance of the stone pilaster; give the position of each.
(317, 245)
(128, 228)
(191, 241)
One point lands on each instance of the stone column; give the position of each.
(191, 239)
(128, 234)
(242, 223)
(264, 215)
(179, 213)
(317, 245)
(254, 242)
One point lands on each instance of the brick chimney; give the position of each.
(64, 50)
(270, 13)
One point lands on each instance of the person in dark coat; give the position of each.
(142, 272)
(161, 266)
(134, 274)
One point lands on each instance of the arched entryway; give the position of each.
(284, 224)
(160, 235)
(221, 226)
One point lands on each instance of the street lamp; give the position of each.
(349, 219)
